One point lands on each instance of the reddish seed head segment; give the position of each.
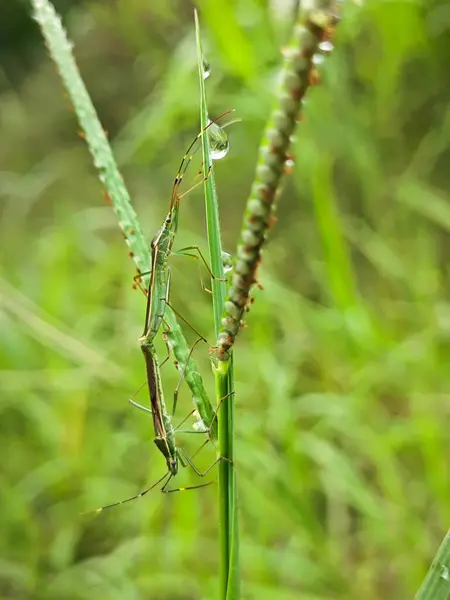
(302, 57)
(314, 77)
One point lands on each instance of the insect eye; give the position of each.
(168, 221)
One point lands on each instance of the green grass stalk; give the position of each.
(60, 50)
(436, 585)
(228, 518)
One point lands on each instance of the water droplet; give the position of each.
(289, 166)
(218, 140)
(206, 68)
(445, 573)
(227, 262)
(199, 424)
(318, 59)
(326, 46)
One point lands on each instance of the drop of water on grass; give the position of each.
(218, 140)
(318, 59)
(206, 68)
(326, 46)
(289, 166)
(445, 573)
(227, 261)
(199, 424)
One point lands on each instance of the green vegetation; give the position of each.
(341, 376)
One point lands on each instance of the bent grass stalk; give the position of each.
(60, 50)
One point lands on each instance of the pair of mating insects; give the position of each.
(157, 300)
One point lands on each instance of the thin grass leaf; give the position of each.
(340, 276)
(228, 528)
(211, 199)
(424, 200)
(436, 585)
(61, 52)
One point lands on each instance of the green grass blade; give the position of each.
(436, 585)
(211, 201)
(200, 398)
(60, 49)
(340, 276)
(61, 52)
(229, 530)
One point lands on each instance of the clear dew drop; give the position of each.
(206, 68)
(199, 424)
(318, 59)
(326, 46)
(218, 140)
(227, 262)
(289, 164)
(445, 574)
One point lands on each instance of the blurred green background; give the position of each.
(342, 373)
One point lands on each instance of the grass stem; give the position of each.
(228, 518)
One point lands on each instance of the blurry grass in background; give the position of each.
(342, 374)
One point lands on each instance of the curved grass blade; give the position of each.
(60, 50)
(436, 585)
